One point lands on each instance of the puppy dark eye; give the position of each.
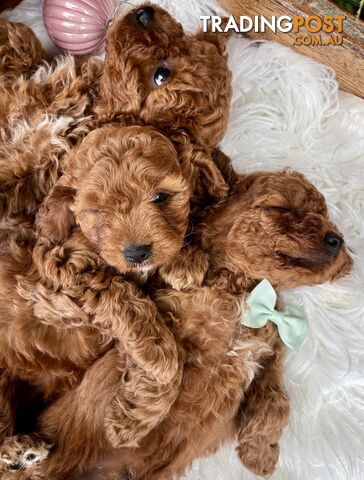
(161, 75)
(30, 457)
(161, 197)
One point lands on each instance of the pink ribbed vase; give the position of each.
(78, 26)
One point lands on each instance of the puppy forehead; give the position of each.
(127, 145)
(287, 190)
(132, 178)
(154, 159)
(143, 175)
(300, 194)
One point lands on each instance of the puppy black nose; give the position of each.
(333, 243)
(137, 253)
(144, 16)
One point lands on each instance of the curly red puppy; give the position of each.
(274, 226)
(153, 72)
(68, 296)
(157, 73)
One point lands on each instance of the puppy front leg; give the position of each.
(264, 414)
(135, 322)
(138, 403)
(187, 270)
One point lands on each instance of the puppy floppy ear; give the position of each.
(219, 39)
(245, 182)
(223, 163)
(209, 176)
(55, 220)
(199, 168)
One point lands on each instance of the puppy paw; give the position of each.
(188, 270)
(139, 404)
(259, 456)
(21, 452)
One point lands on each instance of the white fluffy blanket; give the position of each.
(287, 111)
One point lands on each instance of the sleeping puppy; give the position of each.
(273, 226)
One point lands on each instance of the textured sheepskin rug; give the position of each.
(287, 111)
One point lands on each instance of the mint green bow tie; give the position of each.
(291, 321)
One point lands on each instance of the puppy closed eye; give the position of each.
(161, 197)
(277, 209)
(94, 211)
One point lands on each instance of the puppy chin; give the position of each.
(142, 268)
(131, 268)
(140, 276)
(147, 268)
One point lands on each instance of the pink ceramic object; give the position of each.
(78, 26)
